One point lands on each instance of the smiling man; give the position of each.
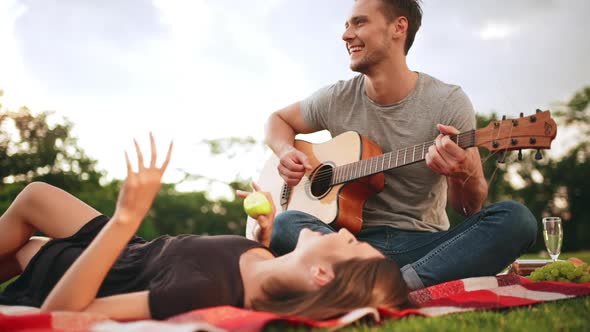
(397, 107)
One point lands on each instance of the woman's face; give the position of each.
(336, 247)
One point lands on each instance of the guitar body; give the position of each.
(340, 205)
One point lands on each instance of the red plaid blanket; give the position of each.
(451, 297)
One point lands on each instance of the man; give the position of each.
(396, 107)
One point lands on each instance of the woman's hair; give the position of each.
(375, 282)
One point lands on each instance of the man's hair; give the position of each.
(410, 9)
(357, 283)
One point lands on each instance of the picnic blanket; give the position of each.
(457, 296)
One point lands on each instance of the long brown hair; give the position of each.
(375, 282)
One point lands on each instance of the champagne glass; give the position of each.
(553, 236)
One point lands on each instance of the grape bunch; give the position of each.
(562, 271)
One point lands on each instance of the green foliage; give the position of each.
(556, 187)
(576, 111)
(32, 150)
(230, 146)
(177, 212)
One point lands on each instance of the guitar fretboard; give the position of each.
(394, 159)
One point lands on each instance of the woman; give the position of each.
(100, 266)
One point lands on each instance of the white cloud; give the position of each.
(493, 31)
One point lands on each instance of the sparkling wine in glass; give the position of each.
(553, 236)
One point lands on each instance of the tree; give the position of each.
(32, 150)
(560, 187)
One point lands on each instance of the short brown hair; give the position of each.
(357, 283)
(411, 10)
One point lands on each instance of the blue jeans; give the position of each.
(482, 245)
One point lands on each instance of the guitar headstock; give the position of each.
(530, 132)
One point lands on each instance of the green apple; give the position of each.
(256, 204)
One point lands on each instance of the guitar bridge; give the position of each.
(285, 193)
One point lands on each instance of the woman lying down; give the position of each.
(93, 263)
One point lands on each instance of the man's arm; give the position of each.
(468, 188)
(280, 131)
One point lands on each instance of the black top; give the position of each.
(182, 272)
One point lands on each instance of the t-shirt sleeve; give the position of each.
(316, 107)
(171, 299)
(458, 111)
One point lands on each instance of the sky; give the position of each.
(190, 70)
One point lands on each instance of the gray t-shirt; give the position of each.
(414, 197)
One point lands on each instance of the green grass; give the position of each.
(564, 315)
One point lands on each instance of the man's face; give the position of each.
(367, 35)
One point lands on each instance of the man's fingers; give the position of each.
(451, 150)
(285, 172)
(303, 160)
(447, 130)
(292, 164)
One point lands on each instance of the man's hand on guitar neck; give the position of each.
(446, 157)
(467, 185)
(292, 166)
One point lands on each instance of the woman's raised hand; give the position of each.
(141, 187)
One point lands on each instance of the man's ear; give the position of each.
(399, 26)
(321, 275)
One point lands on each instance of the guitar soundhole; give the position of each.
(321, 180)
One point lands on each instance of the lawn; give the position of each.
(565, 315)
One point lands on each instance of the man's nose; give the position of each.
(347, 35)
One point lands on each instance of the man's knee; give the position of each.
(519, 221)
(286, 228)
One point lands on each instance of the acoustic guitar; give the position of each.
(349, 168)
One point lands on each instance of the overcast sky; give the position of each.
(197, 69)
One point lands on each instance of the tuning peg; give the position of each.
(538, 155)
(503, 117)
(538, 110)
(502, 159)
(519, 155)
(521, 114)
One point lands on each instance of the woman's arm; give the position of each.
(78, 287)
(122, 307)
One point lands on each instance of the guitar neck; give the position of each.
(394, 159)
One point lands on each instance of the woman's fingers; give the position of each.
(168, 155)
(140, 164)
(153, 150)
(255, 186)
(242, 193)
(153, 158)
(129, 168)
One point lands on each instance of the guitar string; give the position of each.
(466, 137)
(326, 174)
(323, 175)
